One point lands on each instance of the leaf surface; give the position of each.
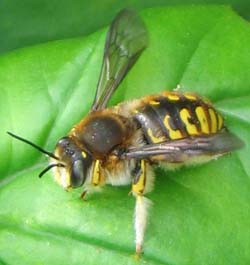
(200, 215)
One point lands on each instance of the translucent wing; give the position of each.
(183, 149)
(125, 41)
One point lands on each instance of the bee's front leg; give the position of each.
(142, 183)
(96, 180)
(84, 194)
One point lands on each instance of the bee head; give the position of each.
(74, 163)
(70, 163)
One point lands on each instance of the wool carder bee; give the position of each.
(119, 145)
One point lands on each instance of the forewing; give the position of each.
(125, 41)
(184, 149)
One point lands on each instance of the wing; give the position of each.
(125, 41)
(184, 149)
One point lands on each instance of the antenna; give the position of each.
(40, 149)
(49, 167)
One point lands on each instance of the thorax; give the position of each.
(102, 131)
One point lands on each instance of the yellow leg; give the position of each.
(97, 174)
(139, 177)
(141, 206)
(97, 179)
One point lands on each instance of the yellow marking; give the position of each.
(153, 138)
(135, 111)
(73, 131)
(201, 115)
(185, 116)
(96, 175)
(173, 97)
(190, 96)
(213, 120)
(62, 177)
(84, 155)
(68, 178)
(173, 134)
(139, 186)
(220, 121)
(154, 102)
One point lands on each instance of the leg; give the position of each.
(142, 183)
(97, 180)
(83, 194)
(141, 215)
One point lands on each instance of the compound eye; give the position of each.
(77, 174)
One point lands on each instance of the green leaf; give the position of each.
(200, 215)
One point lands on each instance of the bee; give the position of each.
(120, 145)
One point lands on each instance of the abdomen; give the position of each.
(173, 115)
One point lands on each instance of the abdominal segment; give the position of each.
(171, 115)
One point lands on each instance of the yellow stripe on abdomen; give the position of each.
(201, 116)
(213, 119)
(185, 117)
(220, 121)
(173, 134)
(154, 138)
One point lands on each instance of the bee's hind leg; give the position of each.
(142, 183)
(141, 216)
